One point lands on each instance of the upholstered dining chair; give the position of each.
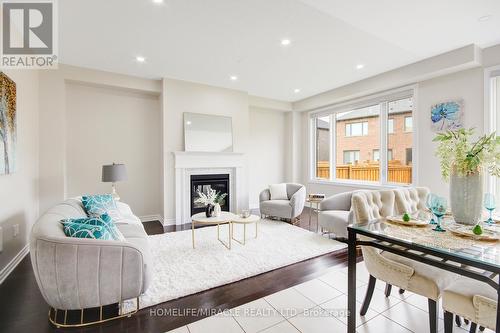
(395, 270)
(473, 300)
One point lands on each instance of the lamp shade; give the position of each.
(113, 173)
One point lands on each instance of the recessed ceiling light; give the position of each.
(233, 78)
(188, 122)
(140, 59)
(297, 90)
(360, 66)
(158, 1)
(285, 42)
(484, 18)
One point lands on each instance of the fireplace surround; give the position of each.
(187, 164)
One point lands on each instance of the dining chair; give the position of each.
(395, 270)
(473, 300)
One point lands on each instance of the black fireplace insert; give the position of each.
(202, 183)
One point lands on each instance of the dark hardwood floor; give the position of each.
(22, 308)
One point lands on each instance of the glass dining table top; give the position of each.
(449, 242)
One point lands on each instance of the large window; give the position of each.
(356, 153)
(356, 129)
(372, 143)
(322, 127)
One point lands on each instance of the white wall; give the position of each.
(57, 182)
(19, 191)
(181, 96)
(467, 85)
(267, 153)
(105, 125)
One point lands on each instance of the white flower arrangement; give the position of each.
(210, 198)
(206, 199)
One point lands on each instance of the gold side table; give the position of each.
(224, 218)
(314, 208)
(241, 220)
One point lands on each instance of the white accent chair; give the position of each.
(288, 209)
(395, 270)
(472, 300)
(335, 214)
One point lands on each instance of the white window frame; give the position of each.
(490, 116)
(382, 99)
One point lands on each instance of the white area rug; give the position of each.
(179, 270)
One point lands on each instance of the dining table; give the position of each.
(471, 257)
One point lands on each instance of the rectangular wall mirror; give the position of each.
(209, 133)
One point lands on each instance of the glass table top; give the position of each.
(471, 248)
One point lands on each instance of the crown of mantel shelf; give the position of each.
(209, 153)
(193, 159)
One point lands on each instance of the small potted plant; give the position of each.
(463, 163)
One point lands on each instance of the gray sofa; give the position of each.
(287, 209)
(78, 273)
(335, 212)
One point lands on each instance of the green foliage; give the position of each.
(458, 153)
(219, 198)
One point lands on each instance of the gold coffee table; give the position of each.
(248, 220)
(224, 218)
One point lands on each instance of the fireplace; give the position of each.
(202, 183)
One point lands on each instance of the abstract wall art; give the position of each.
(447, 115)
(8, 126)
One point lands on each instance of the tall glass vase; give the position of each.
(466, 193)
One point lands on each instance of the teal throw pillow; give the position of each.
(92, 227)
(96, 205)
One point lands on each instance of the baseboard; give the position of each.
(170, 221)
(4, 273)
(151, 218)
(253, 206)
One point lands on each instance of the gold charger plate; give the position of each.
(412, 223)
(466, 231)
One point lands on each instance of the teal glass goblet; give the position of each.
(438, 207)
(428, 205)
(490, 205)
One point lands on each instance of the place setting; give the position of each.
(437, 217)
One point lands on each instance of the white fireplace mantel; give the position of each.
(198, 163)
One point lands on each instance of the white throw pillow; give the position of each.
(278, 192)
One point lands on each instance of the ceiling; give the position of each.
(208, 41)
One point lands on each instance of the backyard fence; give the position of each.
(397, 172)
